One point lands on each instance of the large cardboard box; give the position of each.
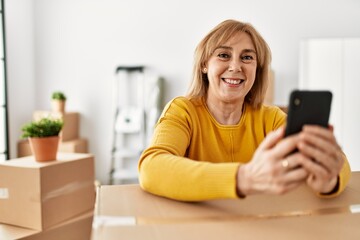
(71, 120)
(39, 195)
(77, 228)
(329, 227)
(129, 212)
(72, 146)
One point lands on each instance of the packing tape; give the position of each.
(67, 189)
(104, 221)
(355, 208)
(4, 193)
(101, 221)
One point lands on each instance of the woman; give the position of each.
(220, 141)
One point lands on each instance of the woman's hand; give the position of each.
(273, 169)
(320, 145)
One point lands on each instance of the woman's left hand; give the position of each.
(325, 157)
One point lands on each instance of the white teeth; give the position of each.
(231, 81)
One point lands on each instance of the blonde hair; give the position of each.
(218, 36)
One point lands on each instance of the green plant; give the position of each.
(45, 127)
(58, 96)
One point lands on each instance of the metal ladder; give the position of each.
(129, 129)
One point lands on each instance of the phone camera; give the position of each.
(296, 103)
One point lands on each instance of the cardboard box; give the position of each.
(76, 228)
(335, 226)
(12, 232)
(129, 212)
(23, 148)
(70, 130)
(71, 120)
(72, 146)
(39, 195)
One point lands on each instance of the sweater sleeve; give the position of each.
(165, 171)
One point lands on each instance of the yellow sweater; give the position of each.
(192, 157)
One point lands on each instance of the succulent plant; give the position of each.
(45, 127)
(58, 96)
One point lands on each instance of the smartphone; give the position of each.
(308, 107)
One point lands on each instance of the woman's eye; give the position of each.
(247, 58)
(223, 55)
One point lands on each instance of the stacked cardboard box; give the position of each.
(47, 198)
(74, 229)
(70, 138)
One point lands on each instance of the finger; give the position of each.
(323, 185)
(316, 169)
(328, 162)
(319, 131)
(285, 146)
(281, 189)
(327, 144)
(294, 180)
(296, 175)
(292, 161)
(271, 139)
(306, 163)
(292, 172)
(325, 151)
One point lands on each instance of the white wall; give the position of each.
(75, 45)
(20, 60)
(333, 64)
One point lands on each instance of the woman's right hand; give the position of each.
(273, 169)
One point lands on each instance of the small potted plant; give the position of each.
(58, 101)
(43, 137)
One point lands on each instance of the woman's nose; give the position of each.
(235, 66)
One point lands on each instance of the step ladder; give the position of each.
(129, 129)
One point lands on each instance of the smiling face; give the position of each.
(231, 70)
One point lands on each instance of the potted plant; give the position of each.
(58, 101)
(43, 137)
